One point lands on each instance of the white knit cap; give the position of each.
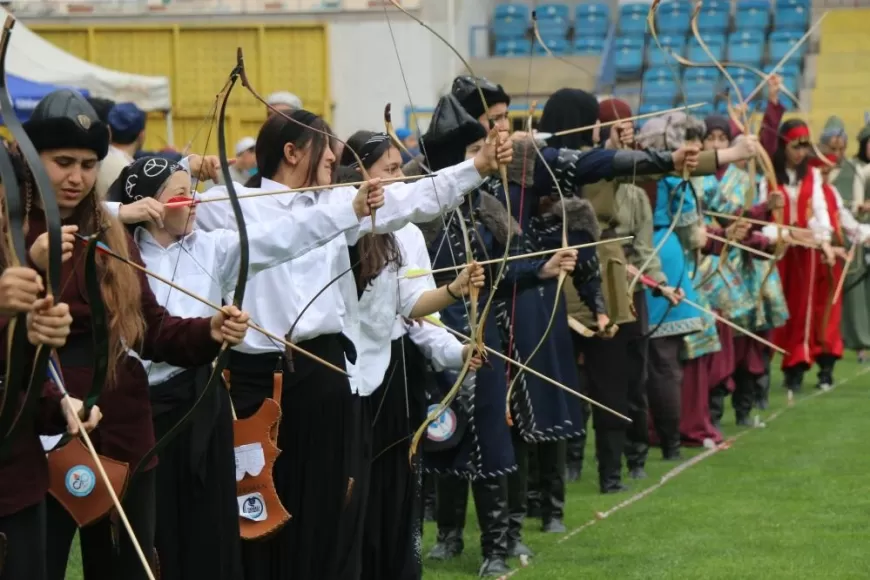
(284, 98)
(244, 144)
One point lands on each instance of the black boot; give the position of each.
(637, 443)
(717, 405)
(826, 364)
(741, 400)
(452, 503)
(491, 502)
(429, 497)
(609, 444)
(551, 463)
(517, 488)
(575, 451)
(794, 377)
(669, 438)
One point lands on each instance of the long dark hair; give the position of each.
(376, 251)
(277, 131)
(779, 160)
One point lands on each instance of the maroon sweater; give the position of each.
(126, 431)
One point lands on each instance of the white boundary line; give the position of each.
(686, 465)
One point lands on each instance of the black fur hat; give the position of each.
(64, 119)
(450, 132)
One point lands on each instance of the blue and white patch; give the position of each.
(442, 428)
(252, 507)
(80, 481)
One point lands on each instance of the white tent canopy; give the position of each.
(33, 58)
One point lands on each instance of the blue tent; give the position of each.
(26, 94)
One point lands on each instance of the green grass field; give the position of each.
(784, 501)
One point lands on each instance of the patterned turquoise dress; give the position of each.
(737, 285)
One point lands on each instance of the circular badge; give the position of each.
(80, 481)
(253, 507)
(442, 428)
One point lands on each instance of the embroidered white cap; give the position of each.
(244, 144)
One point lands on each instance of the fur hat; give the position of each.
(64, 119)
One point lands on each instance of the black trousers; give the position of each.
(197, 532)
(392, 539)
(101, 560)
(664, 388)
(637, 357)
(322, 473)
(24, 548)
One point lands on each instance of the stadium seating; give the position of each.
(752, 14)
(675, 44)
(513, 47)
(510, 21)
(558, 46)
(746, 51)
(591, 20)
(632, 18)
(589, 45)
(781, 42)
(716, 44)
(629, 62)
(715, 17)
(791, 17)
(673, 18)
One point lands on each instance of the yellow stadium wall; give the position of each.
(198, 61)
(843, 71)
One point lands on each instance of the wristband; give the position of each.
(451, 294)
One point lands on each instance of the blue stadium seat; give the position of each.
(752, 14)
(659, 91)
(591, 20)
(637, 8)
(789, 69)
(510, 21)
(656, 57)
(699, 75)
(673, 18)
(588, 45)
(553, 29)
(648, 108)
(781, 43)
(558, 46)
(629, 62)
(791, 17)
(655, 74)
(508, 10)
(701, 112)
(632, 23)
(716, 44)
(553, 13)
(805, 3)
(715, 17)
(700, 92)
(509, 29)
(513, 47)
(746, 52)
(747, 36)
(635, 41)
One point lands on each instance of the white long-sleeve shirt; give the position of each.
(207, 263)
(385, 302)
(275, 298)
(819, 222)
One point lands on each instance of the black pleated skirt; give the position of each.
(197, 527)
(392, 539)
(322, 473)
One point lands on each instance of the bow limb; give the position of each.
(16, 339)
(238, 294)
(45, 189)
(502, 170)
(53, 226)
